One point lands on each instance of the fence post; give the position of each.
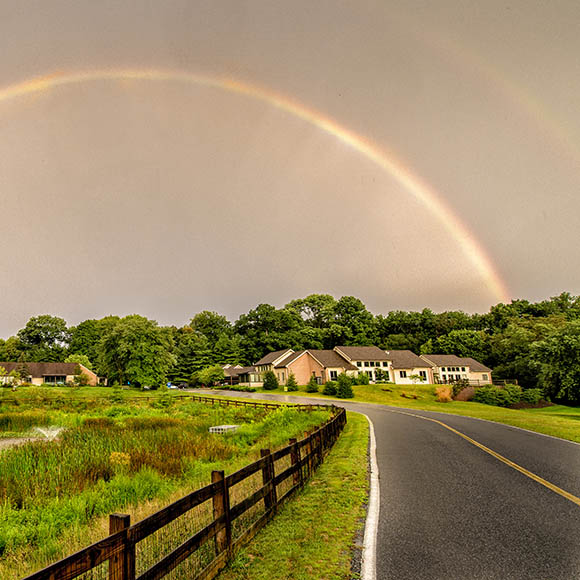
(121, 566)
(295, 460)
(270, 499)
(221, 507)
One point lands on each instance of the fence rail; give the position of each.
(198, 534)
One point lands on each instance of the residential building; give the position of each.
(407, 368)
(368, 360)
(448, 368)
(324, 365)
(52, 373)
(244, 376)
(269, 361)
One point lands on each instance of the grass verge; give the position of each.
(313, 534)
(557, 420)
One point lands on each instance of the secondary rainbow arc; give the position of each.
(387, 161)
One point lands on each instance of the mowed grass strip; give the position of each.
(314, 533)
(557, 420)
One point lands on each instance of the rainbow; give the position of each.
(387, 161)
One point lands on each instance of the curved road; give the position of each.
(451, 510)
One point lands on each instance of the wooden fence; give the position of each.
(197, 535)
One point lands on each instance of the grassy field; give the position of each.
(313, 535)
(113, 454)
(557, 420)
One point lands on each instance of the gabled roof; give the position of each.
(327, 358)
(406, 359)
(362, 353)
(43, 369)
(238, 370)
(272, 357)
(445, 360)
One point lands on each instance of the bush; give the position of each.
(270, 381)
(291, 384)
(344, 387)
(532, 396)
(312, 386)
(329, 388)
(443, 394)
(501, 397)
(362, 379)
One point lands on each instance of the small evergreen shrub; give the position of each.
(344, 387)
(270, 381)
(329, 388)
(532, 396)
(312, 386)
(362, 379)
(291, 384)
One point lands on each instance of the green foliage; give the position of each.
(312, 386)
(136, 351)
(361, 379)
(558, 358)
(44, 338)
(211, 375)
(344, 387)
(81, 359)
(291, 384)
(330, 388)
(270, 381)
(532, 396)
(501, 397)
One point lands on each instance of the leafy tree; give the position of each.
(291, 384)
(136, 351)
(312, 386)
(10, 349)
(211, 325)
(559, 363)
(82, 359)
(44, 338)
(316, 310)
(270, 381)
(344, 387)
(192, 353)
(463, 343)
(211, 375)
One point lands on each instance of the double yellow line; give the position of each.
(501, 458)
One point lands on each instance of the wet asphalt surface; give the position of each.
(448, 510)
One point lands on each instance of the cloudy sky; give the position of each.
(166, 157)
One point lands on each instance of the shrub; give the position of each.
(312, 386)
(270, 381)
(291, 384)
(458, 386)
(501, 397)
(443, 394)
(329, 388)
(362, 379)
(533, 396)
(344, 387)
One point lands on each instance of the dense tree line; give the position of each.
(536, 343)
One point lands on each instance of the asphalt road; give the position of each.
(449, 510)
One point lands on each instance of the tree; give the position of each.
(291, 384)
(81, 359)
(558, 358)
(136, 351)
(316, 310)
(85, 338)
(211, 325)
(312, 386)
(270, 381)
(44, 338)
(211, 375)
(191, 353)
(344, 387)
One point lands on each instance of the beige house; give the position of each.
(367, 359)
(269, 361)
(243, 376)
(49, 372)
(407, 368)
(450, 368)
(324, 365)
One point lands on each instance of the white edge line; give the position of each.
(368, 566)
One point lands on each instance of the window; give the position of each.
(403, 374)
(443, 369)
(484, 377)
(385, 363)
(462, 369)
(333, 375)
(358, 363)
(367, 364)
(54, 379)
(423, 374)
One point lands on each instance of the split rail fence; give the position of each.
(197, 535)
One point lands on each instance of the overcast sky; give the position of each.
(165, 198)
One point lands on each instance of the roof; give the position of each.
(273, 356)
(444, 360)
(327, 358)
(406, 359)
(42, 369)
(361, 353)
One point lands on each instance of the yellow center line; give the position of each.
(515, 466)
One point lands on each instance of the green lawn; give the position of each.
(314, 533)
(558, 420)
